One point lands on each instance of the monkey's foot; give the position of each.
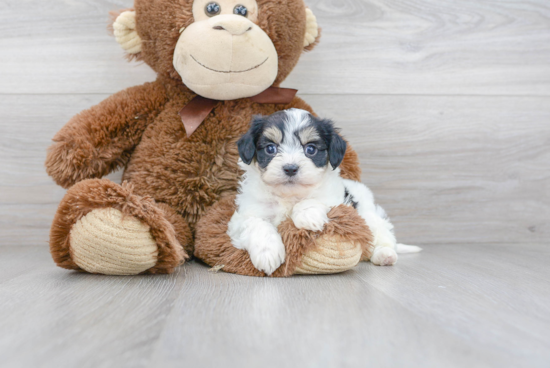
(102, 227)
(343, 242)
(106, 242)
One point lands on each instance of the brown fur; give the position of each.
(344, 222)
(215, 249)
(350, 167)
(177, 177)
(101, 140)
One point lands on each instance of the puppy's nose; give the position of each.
(291, 170)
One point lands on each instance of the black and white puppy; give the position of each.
(291, 161)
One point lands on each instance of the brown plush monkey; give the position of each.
(217, 63)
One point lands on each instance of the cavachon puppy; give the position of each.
(291, 161)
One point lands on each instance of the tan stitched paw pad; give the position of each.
(332, 255)
(106, 242)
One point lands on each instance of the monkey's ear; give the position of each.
(125, 32)
(313, 32)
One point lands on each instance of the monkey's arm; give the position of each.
(100, 140)
(351, 167)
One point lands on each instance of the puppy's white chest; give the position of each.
(279, 211)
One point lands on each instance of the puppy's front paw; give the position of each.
(384, 256)
(268, 255)
(310, 215)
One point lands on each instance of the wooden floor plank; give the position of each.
(20, 260)
(482, 294)
(470, 47)
(453, 169)
(449, 306)
(335, 321)
(57, 318)
(488, 47)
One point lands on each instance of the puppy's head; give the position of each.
(292, 148)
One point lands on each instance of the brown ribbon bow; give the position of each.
(194, 113)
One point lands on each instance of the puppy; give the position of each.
(291, 161)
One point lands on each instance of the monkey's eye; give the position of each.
(271, 149)
(241, 10)
(311, 150)
(212, 9)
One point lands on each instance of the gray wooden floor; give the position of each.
(451, 306)
(447, 103)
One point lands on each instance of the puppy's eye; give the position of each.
(212, 9)
(311, 150)
(271, 149)
(241, 10)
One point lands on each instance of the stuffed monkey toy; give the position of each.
(219, 63)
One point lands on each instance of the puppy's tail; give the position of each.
(404, 249)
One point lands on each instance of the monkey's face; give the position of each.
(224, 54)
(220, 49)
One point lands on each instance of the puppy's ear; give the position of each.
(336, 150)
(247, 148)
(336, 145)
(247, 144)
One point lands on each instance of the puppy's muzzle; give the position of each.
(291, 170)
